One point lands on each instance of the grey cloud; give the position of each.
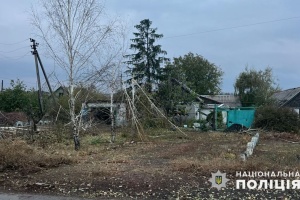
(275, 44)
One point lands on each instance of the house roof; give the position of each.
(228, 100)
(285, 96)
(208, 100)
(61, 88)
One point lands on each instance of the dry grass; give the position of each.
(278, 151)
(18, 155)
(274, 152)
(199, 153)
(167, 159)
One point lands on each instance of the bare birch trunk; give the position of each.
(74, 120)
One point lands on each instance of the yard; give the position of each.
(165, 165)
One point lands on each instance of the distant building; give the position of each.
(61, 91)
(99, 111)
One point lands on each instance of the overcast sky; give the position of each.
(232, 34)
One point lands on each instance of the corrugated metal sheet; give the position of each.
(228, 100)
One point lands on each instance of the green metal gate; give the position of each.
(242, 116)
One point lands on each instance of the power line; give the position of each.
(232, 27)
(15, 58)
(14, 43)
(14, 50)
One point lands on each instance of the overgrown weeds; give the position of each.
(18, 155)
(164, 165)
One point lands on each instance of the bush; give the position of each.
(95, 140)
(272, 118)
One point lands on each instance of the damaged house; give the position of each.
(99, 111)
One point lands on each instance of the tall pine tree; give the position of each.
(146, 60)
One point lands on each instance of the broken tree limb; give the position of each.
(161, 112)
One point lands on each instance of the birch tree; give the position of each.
(74, 32)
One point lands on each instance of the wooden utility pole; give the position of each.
(39, 61)
(35, 53)
(45, 76)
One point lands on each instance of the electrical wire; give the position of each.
(15, 49)
(14, 43)
(15, 58)
(232, 27)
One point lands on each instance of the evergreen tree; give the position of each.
(146, 61)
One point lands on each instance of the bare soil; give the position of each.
(167, 165)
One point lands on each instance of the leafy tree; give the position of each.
(18, 98)
(197, 73)
(170, 93)
(146, 61)
(255, 87)
(14, 98)
(193, 71)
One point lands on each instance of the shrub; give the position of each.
(95, 140)
(272, 118)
